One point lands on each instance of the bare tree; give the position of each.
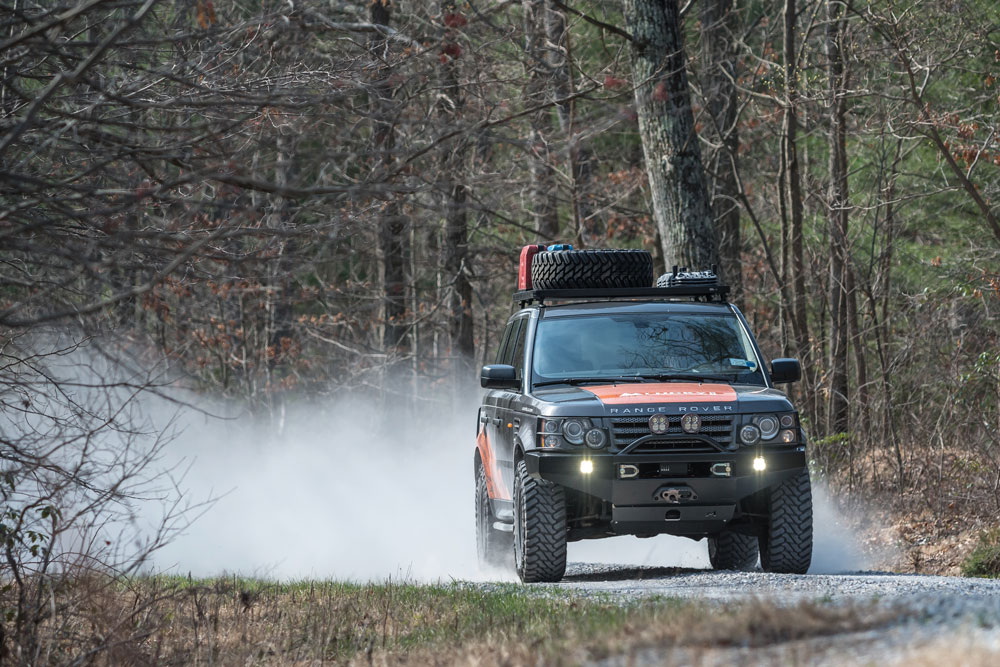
(666, 124)
(838, 214)
(719, 75)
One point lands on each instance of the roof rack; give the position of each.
(713, 292)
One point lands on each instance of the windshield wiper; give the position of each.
(686, 377)
(575, 381)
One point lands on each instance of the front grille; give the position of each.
(655, 446)
(626, 430)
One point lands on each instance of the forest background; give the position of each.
(279, 202)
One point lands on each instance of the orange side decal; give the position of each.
(663, 392)
(494, 484)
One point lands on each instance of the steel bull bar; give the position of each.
(681, 493)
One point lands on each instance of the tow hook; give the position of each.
(675, 494)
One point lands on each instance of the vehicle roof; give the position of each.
(596, 307)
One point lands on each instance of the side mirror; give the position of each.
(499, 376)
(785, 370)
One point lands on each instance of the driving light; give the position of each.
(759, 464)
(658, 424)
(690, 423)
(750, 434)
(573, 430)
(788, 436)
(595, 438)
(768, 425)
(586, 466)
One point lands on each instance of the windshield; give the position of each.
(644, 344)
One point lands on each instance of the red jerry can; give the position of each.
(528, 253)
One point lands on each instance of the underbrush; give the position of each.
(926, 513)
(984, 561)
(232, 621)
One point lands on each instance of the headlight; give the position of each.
(768, 425)
(787, 421)
(750, 434)
(788, 435)
(595, 438)
(573, 430)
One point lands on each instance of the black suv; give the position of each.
(638, 411)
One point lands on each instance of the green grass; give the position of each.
(237, 621)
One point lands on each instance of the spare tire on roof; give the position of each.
(579, 269)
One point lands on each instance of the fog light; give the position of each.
(690, 423)
(788, 436)
(586, 466)
(759, 464)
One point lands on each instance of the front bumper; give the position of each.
(638, 505)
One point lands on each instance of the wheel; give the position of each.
(492, 546)
(732, 551)
(786, 543)
(576, 269)
(539, 528)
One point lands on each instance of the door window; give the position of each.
(518, 360)
(511, 342)
(503, 342)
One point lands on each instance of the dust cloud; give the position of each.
(352, 491)
(836, 546)
(349, 492)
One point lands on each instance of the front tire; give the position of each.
(539, 528)
(492, 546)
(786, 543)
(732, 551)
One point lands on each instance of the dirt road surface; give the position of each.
(950, 620)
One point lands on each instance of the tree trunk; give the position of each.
(666, 125)
(838, 409)
(393, 238)
(578, 167)
(718, 22)
(458, 286)
(544, 200)
(793, 191)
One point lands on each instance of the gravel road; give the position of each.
(629, 582)
(953, 620)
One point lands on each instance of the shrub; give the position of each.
(984, 561)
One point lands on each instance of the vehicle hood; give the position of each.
(647, 398)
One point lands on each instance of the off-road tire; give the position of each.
(539, 528)
(732, 551)
(578, 269)
(786, 543)
(493, 547)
